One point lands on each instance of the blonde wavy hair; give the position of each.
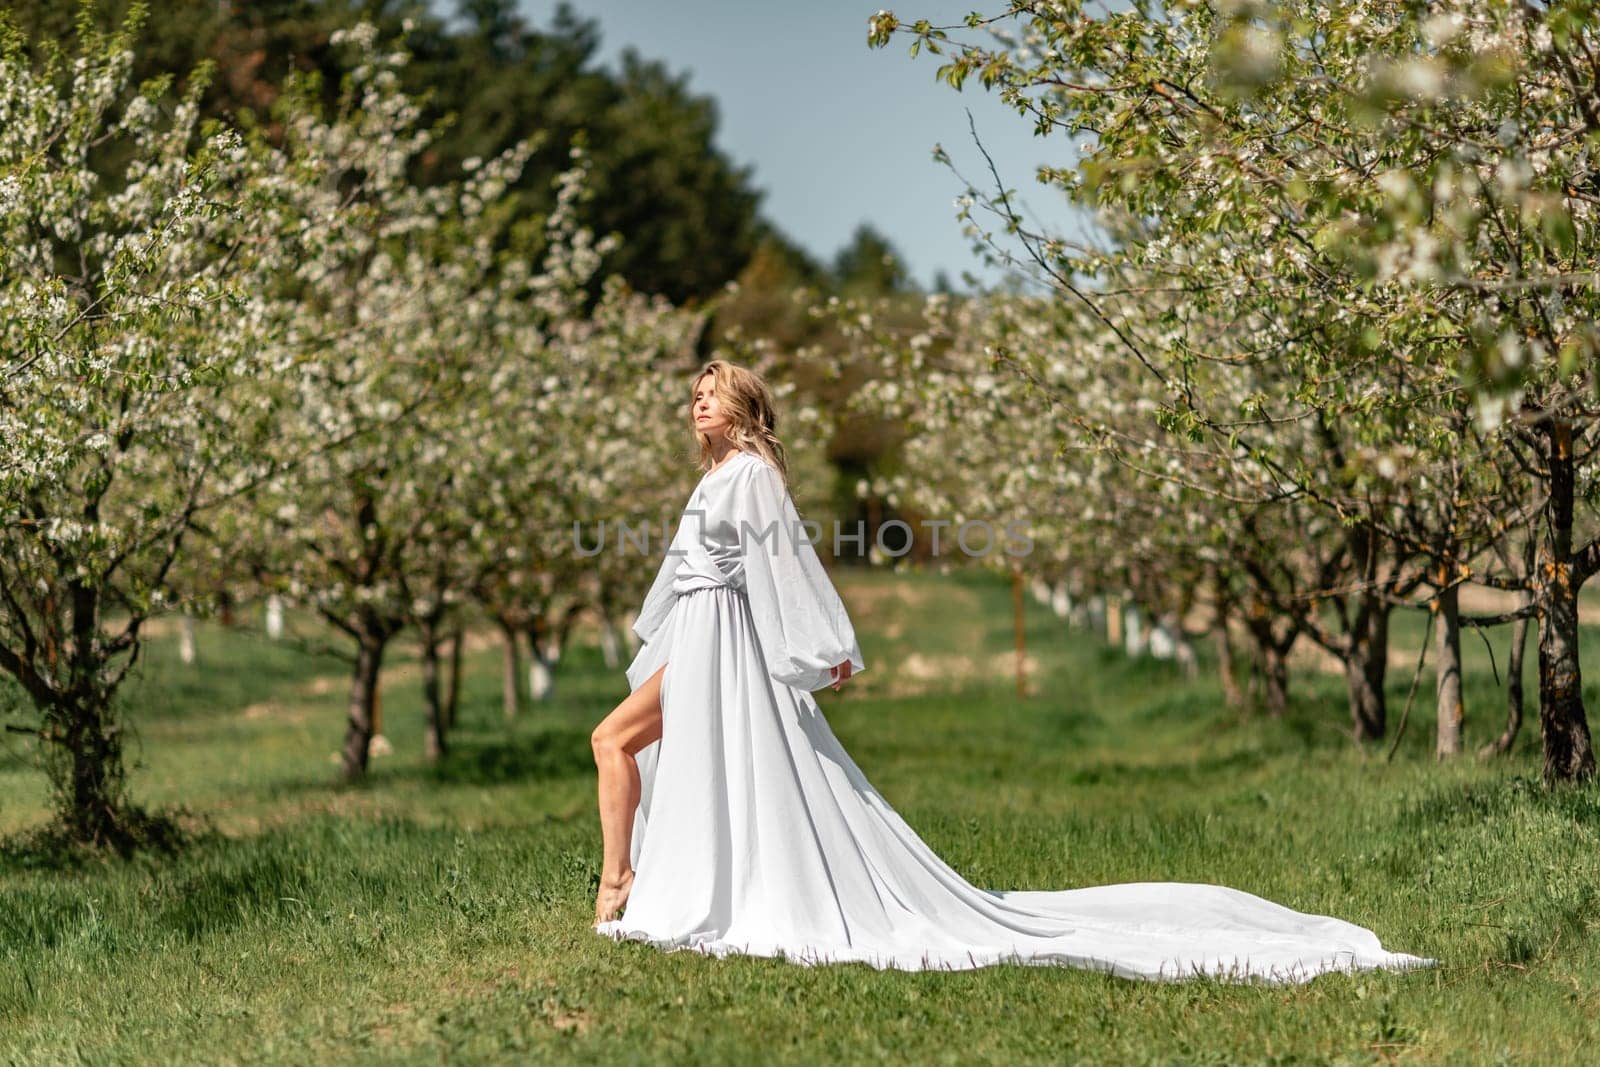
(746, 403)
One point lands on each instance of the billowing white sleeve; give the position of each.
(658, 601)
(799, 618)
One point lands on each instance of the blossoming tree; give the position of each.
(130, 329)
(1393, 200)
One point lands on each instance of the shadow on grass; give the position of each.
(134, 831)
(488, 759)
(549, 754)
(1071, 724)
(1476, 802)
(320, 866)
(1184, 706)
(1120, 772)
(247, 883)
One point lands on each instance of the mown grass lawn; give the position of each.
(442, 914)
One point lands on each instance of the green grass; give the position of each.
(441, 914)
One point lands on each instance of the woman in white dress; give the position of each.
(734, 822)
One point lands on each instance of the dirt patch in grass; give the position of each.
(277, 712)
(920, 673)
(875, 596)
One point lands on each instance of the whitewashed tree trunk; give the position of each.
(1162, 644)
(187, 651)
(1061, 601)
(1182, 648)
(541, 676)
(1137, 642)
(275, 617)
(541, 679)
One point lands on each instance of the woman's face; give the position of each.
(708, 417)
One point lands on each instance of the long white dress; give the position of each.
(757, 834)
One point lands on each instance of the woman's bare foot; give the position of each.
(613, 895)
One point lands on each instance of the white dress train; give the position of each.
(757, 834)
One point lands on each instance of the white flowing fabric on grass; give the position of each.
(757, 834)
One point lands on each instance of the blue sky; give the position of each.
(838, 133)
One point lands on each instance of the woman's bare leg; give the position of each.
(635, 723)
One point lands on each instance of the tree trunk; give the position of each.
(84, 759)
(1447, 671)
(1135, 637)
(1514, 664)
(1563, 722)
(433, 728)
(452, 699)
(610, 643)
(1177, 646)
(1275, 677)
(541, 673)
(1061, 600)
(1272, 661)
(363, 694)
(511, 670)
(1366, 665)
(1365, 650)
(1233, 695)
(82, 737)
(541, 679)
(188, 644)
